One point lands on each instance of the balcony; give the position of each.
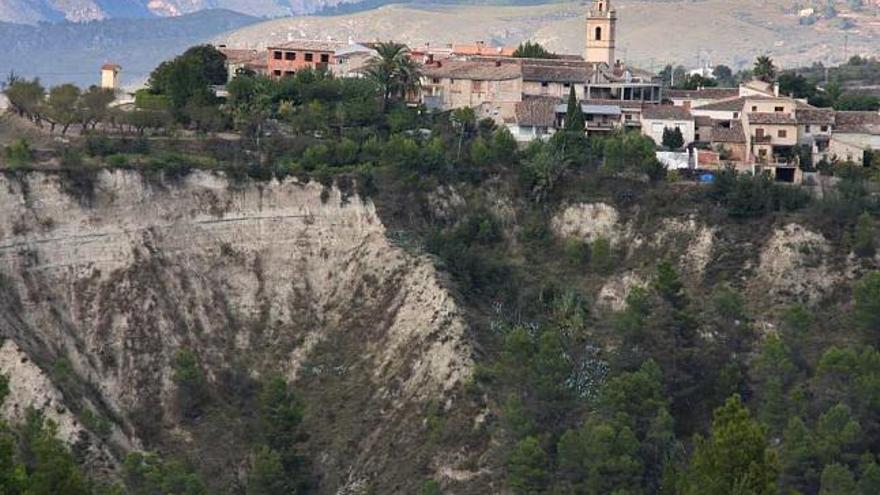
(766, 138)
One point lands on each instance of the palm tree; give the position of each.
(394, 71)
(764, 69)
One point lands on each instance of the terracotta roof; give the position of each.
(239, 55)
(536, 112)
(702, 94)
(728, 105)
(736, 104)
(666, 112)
(821, 116)
(703, 121)
(857, 122)
(732, 134)
(111, 66)
(480, 48)
(315, 45)
(555, 73)
(469, 69)
(772, 118)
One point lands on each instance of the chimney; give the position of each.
(776, 89)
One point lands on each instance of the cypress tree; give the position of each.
(574, 116)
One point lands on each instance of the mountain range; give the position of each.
(34, 11)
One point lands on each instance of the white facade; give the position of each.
(653, 128)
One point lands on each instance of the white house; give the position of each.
(657, 118)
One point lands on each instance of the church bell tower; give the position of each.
(601, 32)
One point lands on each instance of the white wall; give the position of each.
(654, 129)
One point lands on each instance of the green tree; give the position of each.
(481, 153)
(799, 458)
(837, 433)
(464, 120)
(574, 115)
(863, 241)
(529, 49)
(724, 75)
(147, 474)
(600, 458)
(62, 106)
(26, 98)
(869, 478)
(867, 305)
(394, 72)
(192, 387)
(673, 138)
(837, 479)
(266, 475)
(280, 413)
(50, 466)
(601, 256)
(736, 458)
(764, 69)
(528, 467)
(504, 147)
(94, 106)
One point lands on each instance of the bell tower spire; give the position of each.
(601, 33)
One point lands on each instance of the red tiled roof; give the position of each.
(857, 122)
(473, 70)
(772, 118)
(732, 134)
(314, 45)
(666, 112)
(536, 112)
(820, 116)
(111, 66)
(702, 94)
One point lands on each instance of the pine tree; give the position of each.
(736, 458)
(528, 467)
(863, 244)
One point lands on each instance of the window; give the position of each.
(759, 133)
(310, 57)
(736, 115)
(289, 73)
(762, 152)
(754, 108)
(598, 33)
(628, 117)
(697, 136)
(566, 85)
(289, 55)
(824, 128)
(544, 84)
(277, 73)
(778, 109)
(325, 58)
(435, 81)
(807, 128)
(276, 55)
(781, 133)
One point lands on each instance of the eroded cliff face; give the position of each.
(107, 287)
(788, 263)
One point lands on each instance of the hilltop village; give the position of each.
(751, 127)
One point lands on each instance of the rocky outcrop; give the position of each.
(588, 221)
(115, 273)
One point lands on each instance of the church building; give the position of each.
(601, 33)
